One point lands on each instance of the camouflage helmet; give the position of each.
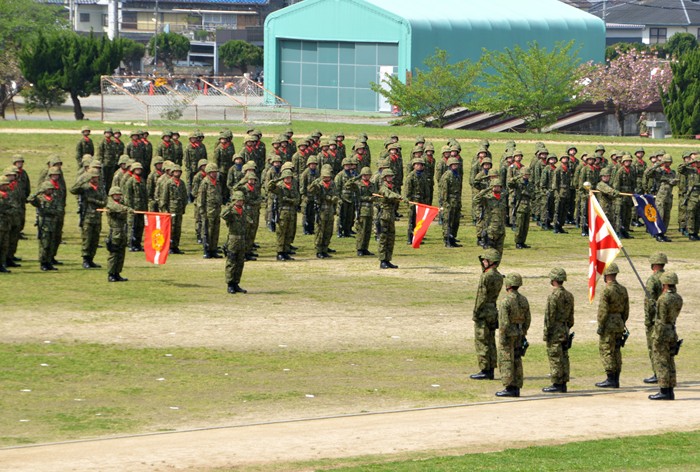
(485, 160)
(137, 132)
(115, 191)
(326, 142)
(326, 171)
(4, 180)
(168, 166)
(420, 139)
(167, 133)
(491, 255)
(108, 130)
(482, 150)
(495, 182)
(445, 149)
(12, 170)
(55, 160)
(346, 162)
(558, 274)
(237, 156)
(484, 143)
(287, 165)
(452, 160)
(251, 138)
(611, 269)
(658, 258)
(359, 145)
(383, 164)
(136, 165)
(176, 168)
(278, 139)
(387, 172)
(86, 160)
(237, 195)
(123, 159)
(667, 158)
(626, 157)
(570, 147)
(85, 128)
(418, 160)
(417, 149)
(429, 147)
(286, 173)
(396, 146)
(599, 148)
(513, 280)
(275, 158)
(366, 171)
(117, 131)
(96, 163)
(669, 278)
(250, 165)
(45, 186)
(606, 171)
(518, 152)
(202, 162)
(317, 133)
(289, 132)
(455, 147)
(17, 158)
(660, 152)
(639, 149)
(158, 160)
(54, 171)
(211, 167)
(252, 175)
(544, 151)
(311, 160)
(93, 172)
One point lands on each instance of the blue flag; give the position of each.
(646, 210)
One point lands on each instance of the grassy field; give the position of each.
(170, 349)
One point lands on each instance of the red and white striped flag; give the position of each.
(604, 245)
(425, 214)
(156, 238)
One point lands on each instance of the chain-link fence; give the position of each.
(180, 99)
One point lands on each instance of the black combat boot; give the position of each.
(651, 380)
(86, 263)
(231, 289)
(455, 242)
(121, 279)
(4, 270)
(509, 392)
(693, 237)
(610, 382)
(333, 251)
(280, 256)
(10, 262)
(555, 388)
(55, 262)
(485, 374)
(237, 288)
(384, 265)
(664, 394)
(112, 278)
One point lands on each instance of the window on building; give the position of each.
(698, 36)
(215, 20)
(129, 20)
(104, 21)
(85, 18)
(657, 35)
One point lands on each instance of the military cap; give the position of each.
(387, 172)
(429, 147)
(123, 159)
(4, 180)
(237, 195)
(287, 165)
(625, 157)
(17, 158)
(366, 171)
(46, 186)
(658, 258)
(485, 160)
(202, 162)
(667, 158)
(491, 255)
(558, 274)
(518, 152)
(136, 165)
(611, 269)
(158, 160)
(176, 167)
(85, 128)
(86, 160)
(418, 160)
(326, 171)
(513, 280)
(95, 163)
(669, 278)
(211, 167)
(445, 149)
(115, 191)
(286, 173)
(417, 149)
(11, 170)
(600, 147)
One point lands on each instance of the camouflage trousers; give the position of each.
(664, 362)
(235, 259)
(197, 222)
(693, 214)
(558, 362)
(252, 228)
(682, 209)
(324, 231)
(136, 227)
(4, 243)
(363, 227)
(623, 213)
(12, 238)
(286, 225)
(495, 239)
(91, 238)
(510, 364)
(522, 225)
(175, 231)
(450, 226)
(485, 344)
(387, 237)
(650, 346)
(561, 206)
(212, 225)
(610, 353)
(117, 253)
(346, 218)
(664, 203)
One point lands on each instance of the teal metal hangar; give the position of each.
(325, 53)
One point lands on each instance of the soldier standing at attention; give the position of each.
(48, 212)
(107, 153)
(485, 314)
(561, 186)
(178, 152)
(613, 311)
(653, 291)
(415, 189)
(665, 339)
(558, 320)
(494, 209)
(194, 190)
(691, 198)
(210, 200)
(147, 153)
(252, 201)
(607, 194)
(389, 203)
(193, 155)
(173, 199)
(346, 206)
(308, 201)
(92, 197)
(166, 148)
(119, 145)
(117, 216)
(237, 221)
(325, 192)
(152, 183)
(16, 200)
(547, 194)
(664, 179)
(136, 197)
(587, 173)
(5, 215)
(624, 182)
(59, 195)
(513, 323)
(136, 150)
(523, 192)
(223, 157)
(366, 189)
(288, 198)
(84, 146)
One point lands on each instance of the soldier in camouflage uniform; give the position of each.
(451, 202)
(210, 200)
(224, 153)
(396, 165)
(273, 172)
(196, 182)
(136, 197)
(194, 153)
(300, 158)
(607, 195)
(92, 198)
(346, 208)
(513, 322)
(537, 167)
(117, 217)
(365, 189)
(388, 205)
(84, 146)
(416, 189)
(136, 149)
(16, 200)
(237, 220)
(561, 188)
(587, 173)
(324, 192)
(147, 154)
(121, 172)
(5, 216)
(430, 164)
(288, 199)
(613, 312)
(48, 212)
(691, 197)
(107, 153)
(152, 183)
(664, 179)
(639, 166)
(167, 149)
(60, 195)
(624, 181)
(547, 193)
(485, 315)
(480, 181)
(235, 173)
(308, 201)
(558, 321)
(24, 187)
(173, 200)
(178, 151)
(494, 210)
(522, 189)
(665, 338)
(652, 293)
(250, 188)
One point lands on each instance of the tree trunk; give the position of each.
(77, 107)
(48, 113)
(620, 121)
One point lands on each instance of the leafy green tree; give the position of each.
(171, 47)
(682, 101)
(614, 50)
(680, 44)
(534, 84)
(20, 20)
(132, 51)
(43, 97)
(240, 54)
(70, 62)
(431, 93)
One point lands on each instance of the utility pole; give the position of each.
(155, 43)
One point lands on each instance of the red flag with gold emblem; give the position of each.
(425, 214)
(156, 238)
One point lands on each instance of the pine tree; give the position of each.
(682, 101)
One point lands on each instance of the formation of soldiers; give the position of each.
(512, 318)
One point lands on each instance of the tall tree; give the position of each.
(432, 92)
(680, 44)
(629, 83)
(43, 97)
(682, 101)
(132, 51)
(241, 54)
(171, 47)
(534, 84)
(20, 20)
(70, 62)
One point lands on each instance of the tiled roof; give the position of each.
(650, 12)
